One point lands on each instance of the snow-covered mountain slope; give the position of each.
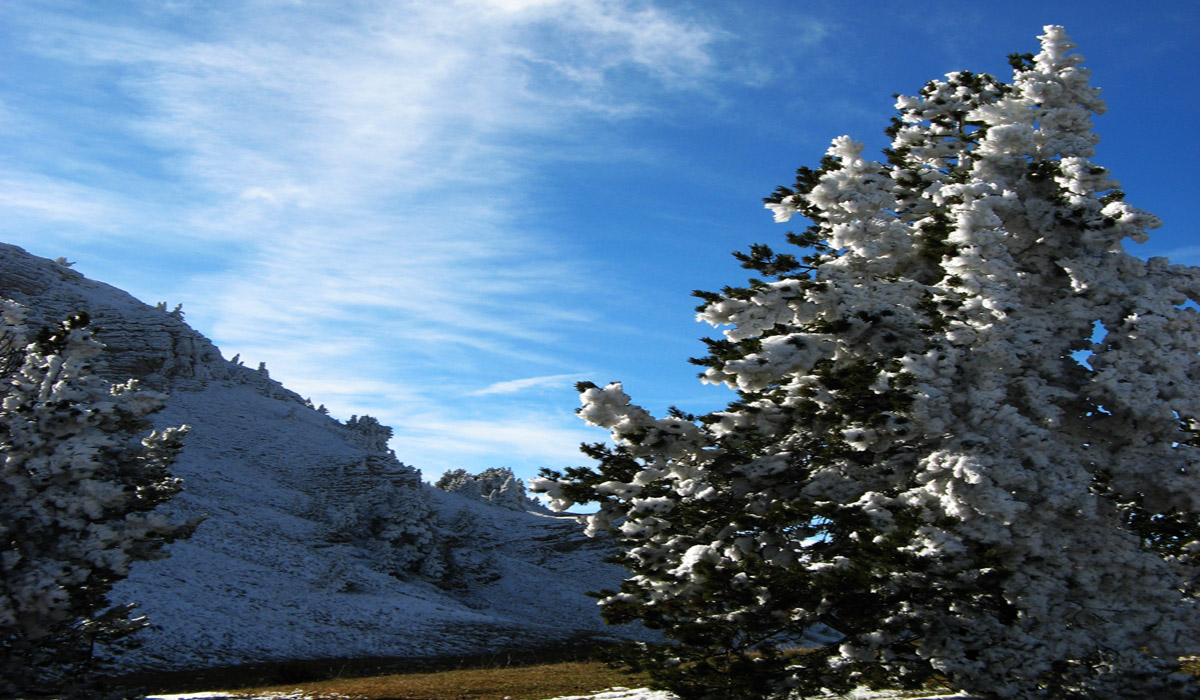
(318, 543)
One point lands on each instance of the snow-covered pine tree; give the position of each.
(917, 456)
(77, 496)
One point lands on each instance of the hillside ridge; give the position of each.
(318, 541)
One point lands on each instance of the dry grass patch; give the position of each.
(520, 683)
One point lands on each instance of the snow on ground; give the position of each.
(646, 694)
(263, 580)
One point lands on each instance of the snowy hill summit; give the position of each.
(318, 542)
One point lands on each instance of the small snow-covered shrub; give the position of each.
(80, 479)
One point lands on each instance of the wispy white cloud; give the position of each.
(46, 199)
(523, 441)
(358, 175)
(1184, 254)
(514, 386)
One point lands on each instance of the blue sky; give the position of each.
(445, 213)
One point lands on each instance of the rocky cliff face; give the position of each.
(149, 343)
(318, 542)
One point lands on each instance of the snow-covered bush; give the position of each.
(395, 525)
(915, 458)
(370, 433)
(78, 490)
(497, 485)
